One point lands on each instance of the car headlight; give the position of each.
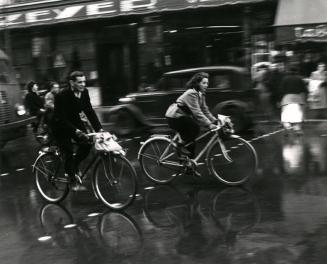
(126, 99)
(20, 110)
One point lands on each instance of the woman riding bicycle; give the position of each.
(190, 111)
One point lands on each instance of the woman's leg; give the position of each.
(188, 129)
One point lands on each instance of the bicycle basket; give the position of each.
(105, 143)
(227, 126)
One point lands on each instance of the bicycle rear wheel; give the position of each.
(48, 169)
(159, 160)
(238, 163)
(115, 181)
(120, 234)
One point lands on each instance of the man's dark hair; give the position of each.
(75, 74)
(196, 79)
(30, 85)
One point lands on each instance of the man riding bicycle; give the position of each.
(74, 117)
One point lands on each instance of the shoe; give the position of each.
(197, 174)
(78, 188)
(78, 177)
(193, 172)
(181, 150)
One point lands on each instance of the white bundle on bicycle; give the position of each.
(106, 142)
(225, 123)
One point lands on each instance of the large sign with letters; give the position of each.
(101, 9)
(311, 32)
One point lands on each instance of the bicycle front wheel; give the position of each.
(159, 160)
(236, 164)
(115, 181)
(48, 169)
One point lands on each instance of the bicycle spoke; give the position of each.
(149, 156)
(115, 181)
(46, 169)
(159, 160)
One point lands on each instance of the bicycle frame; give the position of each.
(214, 138)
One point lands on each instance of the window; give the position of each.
(221, 81)
(176, 82)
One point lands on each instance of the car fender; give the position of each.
(231, 103)
(133, 110)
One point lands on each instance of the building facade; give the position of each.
(123, 45)
(302, 37)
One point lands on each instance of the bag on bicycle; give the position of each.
(106, 143)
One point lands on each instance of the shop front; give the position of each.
(301, 33)
(122, 45)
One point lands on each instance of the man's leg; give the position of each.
(82, 152)
(66, 148)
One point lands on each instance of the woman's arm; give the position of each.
(193, 102)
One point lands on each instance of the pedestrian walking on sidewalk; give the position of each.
(293, 92)
(317, 92)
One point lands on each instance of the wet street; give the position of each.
(280, 216)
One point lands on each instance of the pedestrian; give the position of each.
(34, 104)
(261, 83)
(318, 94)
(54, 89)
(293, 92)
(49, 98)
(275, 77)
(74, 117)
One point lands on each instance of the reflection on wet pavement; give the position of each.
(280, 217)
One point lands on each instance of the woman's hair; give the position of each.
(50, 85)
(193, 83)
(30, 85)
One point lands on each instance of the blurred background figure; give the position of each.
(34, 103)
(293, 92)
(53, 90)
(261, 84)
(317, 91)
(276, 75)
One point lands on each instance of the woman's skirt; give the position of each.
(292, 113)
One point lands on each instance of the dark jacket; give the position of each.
(33, 103)
(67, 108)
(292, 84)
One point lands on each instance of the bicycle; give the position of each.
(230, 158)
(114, 232)
(228, 212)
(113, 178)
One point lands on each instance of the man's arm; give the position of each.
(90, 113)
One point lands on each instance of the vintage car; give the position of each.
(229, 93)
(13, 116)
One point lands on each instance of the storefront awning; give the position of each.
(301, 21)
(301, 12)
(11, 18)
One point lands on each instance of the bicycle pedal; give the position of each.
(78, 179)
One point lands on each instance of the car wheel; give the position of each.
(123, 122)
